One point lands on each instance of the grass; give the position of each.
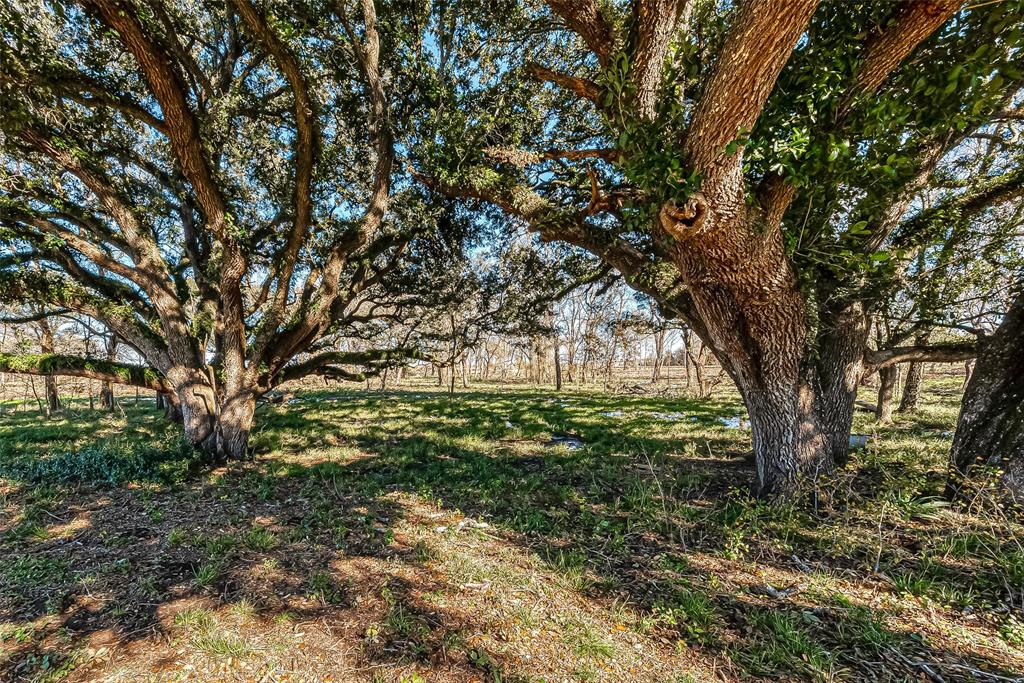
(423, 529)
(783, 644)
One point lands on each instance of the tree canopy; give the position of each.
(218, 185)
(250, 192)
(759, 169)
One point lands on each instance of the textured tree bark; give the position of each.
(196, 400)
(171, 408)
(886, 386)
(799, 432)
(990, 429)
(233, 426)
(838, 370)
(911, 388)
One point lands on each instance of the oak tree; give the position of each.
(754, 167)
(216, 183)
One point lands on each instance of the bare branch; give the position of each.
(583, 88)
(935, 353)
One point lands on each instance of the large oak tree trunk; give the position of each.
(796, 367)
(797, 364)
(990, 430)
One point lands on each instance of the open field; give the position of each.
(412, 536)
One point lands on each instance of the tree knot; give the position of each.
(683, 221)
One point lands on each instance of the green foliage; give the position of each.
(692, 612)
(484, 519)
(259, 539)
(783, 642)
(118, 461)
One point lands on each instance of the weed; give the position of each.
(177, 537)
(781, 642)
(322, 587)
(259, 539)
(206, 574)
(1012, 631)
(692, 612)
(194, 618)
(587, 641)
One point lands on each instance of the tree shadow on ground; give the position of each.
(400, 525)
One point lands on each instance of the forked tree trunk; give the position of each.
(799, 432)
(799, 393)
(990, 429)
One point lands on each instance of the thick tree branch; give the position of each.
(655, 22)
(158, 68)
(32, 317)
(51, 364)
(315, 315)
(934, 353)
(586, 18)
(757, 47)
(151, 270)
(655, 277)
(922, 227)
(53, 290)
(912, 22)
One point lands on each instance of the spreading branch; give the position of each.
(587, 19)
(329, 361)
(935, 353)
(912, 22)
(53, 364)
